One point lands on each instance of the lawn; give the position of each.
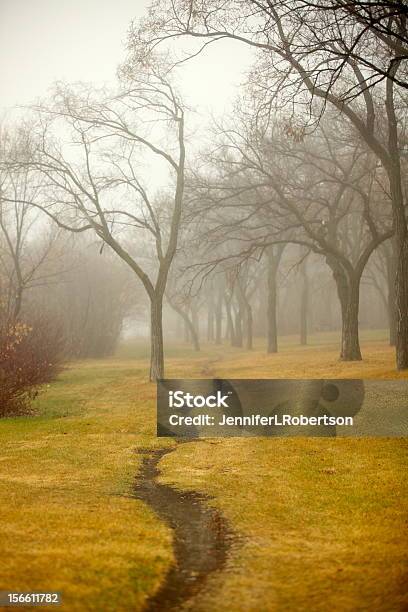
(319, 523)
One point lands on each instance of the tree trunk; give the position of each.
(156, 338)
(271, 317)
(230, 322)
(189, 328)
(18, 302)
(245, 309)
(348, 290)
(239, 337)
(218, 317)
(195, 330)
(400, 225)
(401, 302)
(210, 320)
(186, 332)
(249, 327)
(391, 286)
(304, 303)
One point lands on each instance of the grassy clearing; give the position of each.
(321, 522)
(67, 521)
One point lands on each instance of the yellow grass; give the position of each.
(320, 522)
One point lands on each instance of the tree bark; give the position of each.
(401, 278)
(400, 225)
(348, 289)
(350, 345)
(391, 262)
(156, 338)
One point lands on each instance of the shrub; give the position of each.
(30, 355)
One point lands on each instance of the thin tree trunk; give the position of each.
(218, 317)
(210, 320)
(271, 320)
(195, 328)
(304, 303)
(189, 328)
(156, 338)
(246, 308)
(186, 332)
(249, 327)
(391, 286)
(239, 337)
(230, 322)
(401, 302)
(18, 302)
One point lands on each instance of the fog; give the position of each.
(236, 198)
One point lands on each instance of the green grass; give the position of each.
(320, 523)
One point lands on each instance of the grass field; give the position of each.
(320, 523)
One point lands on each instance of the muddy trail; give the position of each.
(201, 536)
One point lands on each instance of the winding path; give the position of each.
(202, 537)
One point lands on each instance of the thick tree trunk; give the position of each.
(350, 345)
(156, 338)
(348, 289)
(401, 277)
(271, 316)
(400, 225)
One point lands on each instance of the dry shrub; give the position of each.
(30, 355)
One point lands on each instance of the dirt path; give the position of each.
(201, 535)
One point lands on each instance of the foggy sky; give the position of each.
(42, 41)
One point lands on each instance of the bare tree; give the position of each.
(23, 254)
(322, 193)
(351, 56)
(95, 183)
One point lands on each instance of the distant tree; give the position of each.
(25, 251)
(321, 193)
(312, 54)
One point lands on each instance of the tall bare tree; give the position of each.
(93, 179)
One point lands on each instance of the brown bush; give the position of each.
(30, 355)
